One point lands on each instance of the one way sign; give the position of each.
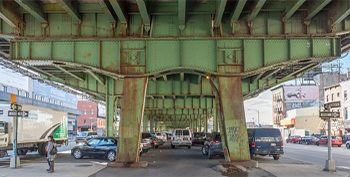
(330, 114)
(20, 113)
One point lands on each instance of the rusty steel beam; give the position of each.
(132, 111)
(68, 7)
(292, 9)
(33, 8)
(69, 73)
(231, 99)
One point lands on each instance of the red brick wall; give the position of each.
(88, 110)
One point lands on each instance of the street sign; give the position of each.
(332, 105)
(330, 114)
(1, 112)
(20, 113)
(15, 106)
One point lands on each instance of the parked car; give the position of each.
(265, 141)
(85, 136)
(347, 144)
(293, 139)
(181, 137)
(210, 138)
(96, 147)
(161, 136)
(215, 147)
(146, 143)
(199, 138)
(346, 138)
(336, 141)
(155, 142)
(307, 140)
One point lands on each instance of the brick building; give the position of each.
(88, 119)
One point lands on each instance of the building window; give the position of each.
(338, 94)
(84, 121)
(27, 94)
(18, 92)
(346, 113)
(36, 97)
(92, 112)
(332, 96)
(61, 104)
(85, 112)
(42, 98)
(4, 88)
(327, 98)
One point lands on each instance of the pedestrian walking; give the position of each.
(51, 153)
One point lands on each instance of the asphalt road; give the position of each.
(318, 155)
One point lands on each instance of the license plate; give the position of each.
(185, 139)
(199, 138)
(273, 144)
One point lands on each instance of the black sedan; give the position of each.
(307, 140)
(97, 147)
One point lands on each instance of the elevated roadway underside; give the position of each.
(174, 63)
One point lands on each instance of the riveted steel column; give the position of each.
(145, 123)
(215, 121)
(110, 107)
(199, 123)
(205, 119)
(132, 111)
(151, 127)
(231, 99)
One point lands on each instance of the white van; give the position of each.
(181, 137)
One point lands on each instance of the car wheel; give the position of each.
(21, 152)
(205, 150)
(172, 146)
(189, 147)
(339, 145)
(111, 156)
(348, 146)
(77, 154)
(276, 157)
(307, 143)
(299, 142)
(210, 154)
(156, 146)
(317, 144)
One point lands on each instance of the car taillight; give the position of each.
(281, 143)
(191, 138)
(154, 140)
(215, 141)
(253, 144)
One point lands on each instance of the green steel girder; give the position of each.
(256, 9)
(315, 8)
(293, 7)
(68, 7)
(145, 14)
(152, 57)
(182, 13)
(119, 10)
(108, 10)
(9, 15)
(237, 12)
(339, 11)
(220, 12)
(33, 8)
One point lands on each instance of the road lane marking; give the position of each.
(344, 167)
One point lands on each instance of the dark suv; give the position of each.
(199, 138)
(265, 141)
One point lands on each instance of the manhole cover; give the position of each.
(83, 165)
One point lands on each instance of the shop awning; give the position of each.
(288, 121)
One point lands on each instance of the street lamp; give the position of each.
(91, 122)
(258, 115)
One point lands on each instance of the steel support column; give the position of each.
(151, 127)
(205, 119)
(132, 111)
(232, 107)
(215, 121)
(145, 123)
(110, 107)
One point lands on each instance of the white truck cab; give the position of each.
(181, 137)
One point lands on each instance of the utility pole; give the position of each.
(330, 165)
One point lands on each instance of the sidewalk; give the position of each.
(297, 170)
(61, 169)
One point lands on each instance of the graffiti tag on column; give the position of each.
(233, 134)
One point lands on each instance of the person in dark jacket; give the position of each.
(50, 158)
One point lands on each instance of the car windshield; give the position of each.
(186, 132)
(159, 134)
(199, 134)
(146, 135)
(297, 136)
(269, 135)
(82, 134)
(178, 132)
